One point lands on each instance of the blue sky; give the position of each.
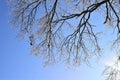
(16, 63)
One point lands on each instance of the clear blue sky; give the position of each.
(16, 63)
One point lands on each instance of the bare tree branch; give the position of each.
(56, 31)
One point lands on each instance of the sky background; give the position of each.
(16, 62)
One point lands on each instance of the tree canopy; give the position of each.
(61, 30)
